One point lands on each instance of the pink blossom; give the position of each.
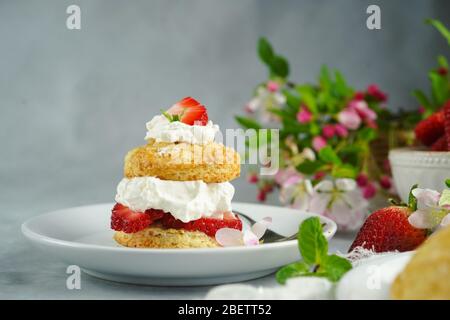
(369, 191)
(252, 178)
(362, 179)
(362, 109)
(285, 175)
(349, 119)
(358, 95)
(421, 110)
(328, 131)
(304, 115)
(385, 182)
(272, 86)
(318, 143)
(228, 237)
(341, 131)
(376, 93)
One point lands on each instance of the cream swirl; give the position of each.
(185, 200)
(162, 130)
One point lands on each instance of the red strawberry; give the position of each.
(440, 144)
(189, 111)
(205, 225)
(126, 220)
(432, 128)
(447, 123)
(388, 229)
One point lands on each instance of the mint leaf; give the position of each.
(292, 270)
(265, 51)
(248, 123)
(447, 183)
(412, 201)
(328, 155)
(335, 267)
(312, 243)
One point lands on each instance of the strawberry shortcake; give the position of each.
(176, 191)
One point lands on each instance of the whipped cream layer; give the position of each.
(162, 130)
(185, 200)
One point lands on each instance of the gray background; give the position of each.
(73, 102)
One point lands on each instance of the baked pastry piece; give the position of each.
(211, 163)
(427, 275)
(176, 191)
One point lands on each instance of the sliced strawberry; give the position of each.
(205, 225)
(447, 123)
(388, 229)
(440, 144)
(126, 220)
(189, 111)
(431, 129)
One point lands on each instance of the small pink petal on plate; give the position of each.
(228, 237)
(420, 219)
(250, 239)
(259, 228)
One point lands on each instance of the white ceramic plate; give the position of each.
(82, 236)
(372, 279)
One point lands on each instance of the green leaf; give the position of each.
(265, 51)
(439, 88)
(327, 155)
(412, 201)
(310, 167)
(447, 183)
(344, 171)
(445, 198)
(440, 27)
(312, 243)
(367, 134)
(422, 98)
(292, 270)
(335, 267)
(279, 66)
(442, 61)
(248, 123)
(308, 98)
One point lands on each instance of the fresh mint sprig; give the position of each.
(316, 262)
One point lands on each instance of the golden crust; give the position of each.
(157, 237)
(427, 275)
(211, 163)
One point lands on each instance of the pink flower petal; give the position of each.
(446, 220)
(341, 131)
(318, 143)
(228, 237)
(272, 86)
(250, 239)
(259, 228)
(426, 197)
(349, 119)
(304, 115)
(421, 219)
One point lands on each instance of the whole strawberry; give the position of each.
(431, 129)
(388, 229)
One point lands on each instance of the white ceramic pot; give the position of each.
(428, 169)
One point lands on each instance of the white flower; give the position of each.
(264, 100)
(340, 200)
(228, 237)
(296, 192)
(433, 209)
